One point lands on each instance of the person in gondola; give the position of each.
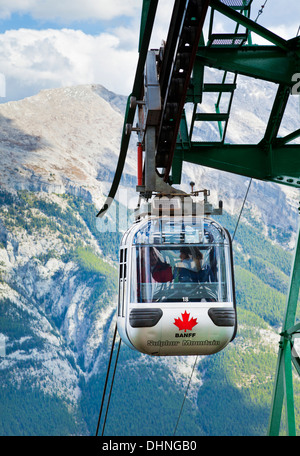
(185, 269)
(160, 270)
(204, 273)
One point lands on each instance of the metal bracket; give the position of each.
(180, 204)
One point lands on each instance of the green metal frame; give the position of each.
(283, 388)
(272, 159)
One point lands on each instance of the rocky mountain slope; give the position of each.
(58, 280)
(67, 140)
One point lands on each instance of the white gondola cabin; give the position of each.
(176, 286)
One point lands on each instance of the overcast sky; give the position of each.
(50, 43)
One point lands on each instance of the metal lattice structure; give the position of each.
(177, 77)
(273, 158)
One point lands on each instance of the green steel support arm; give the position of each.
(269, 63)
(283, 387)
(286, 139)
(276, 116)
(279, 164)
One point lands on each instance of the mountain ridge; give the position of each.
(67, 140)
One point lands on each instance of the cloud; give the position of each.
(32, 60)
(70, 10)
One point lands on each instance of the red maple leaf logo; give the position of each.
(185, 323)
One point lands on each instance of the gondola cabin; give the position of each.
(176, 286)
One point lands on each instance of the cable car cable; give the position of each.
(186, 391)
(237, 224)
(106, 380)
(111, 386)
(261, 10)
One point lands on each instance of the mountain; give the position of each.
(58, 282)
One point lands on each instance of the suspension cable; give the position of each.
(107, 375)
(261, 10)
(237, 224)
(111, 386)
(186, 391)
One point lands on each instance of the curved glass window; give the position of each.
(180, 273)
(180, 230)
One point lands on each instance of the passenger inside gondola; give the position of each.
(160, 270)
(173, 274)
(204, 272)
(185, 269)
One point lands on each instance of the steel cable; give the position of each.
(111, 387)
(237, 224)
(106, 380)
